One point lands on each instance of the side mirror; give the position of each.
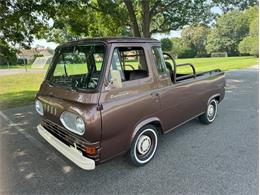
(116, 80)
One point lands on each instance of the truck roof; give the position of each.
(115, 40)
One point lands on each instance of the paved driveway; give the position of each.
(194, 159)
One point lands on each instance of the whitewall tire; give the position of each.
(144, 145)
(210, 115)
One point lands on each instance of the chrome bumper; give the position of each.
(70, 152)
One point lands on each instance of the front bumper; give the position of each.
(70, 152)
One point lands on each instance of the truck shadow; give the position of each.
(34, 160)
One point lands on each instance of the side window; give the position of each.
(159, 60)
(116, 64)
(130, 62)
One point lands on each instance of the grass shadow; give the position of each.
(16, 99)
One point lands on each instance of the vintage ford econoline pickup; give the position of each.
(107, 96)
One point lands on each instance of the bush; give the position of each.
(181, 50)
(249, 45)
(166, 44)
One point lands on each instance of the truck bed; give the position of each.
(181, 77)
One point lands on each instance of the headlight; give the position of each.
(80, 124)
(39, 107)
(73, 122)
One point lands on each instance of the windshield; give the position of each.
(78, 67)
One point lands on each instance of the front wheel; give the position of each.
(210, 115)
(144, 145)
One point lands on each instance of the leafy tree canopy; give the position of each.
(21, 20)
(195, 37)
(166, 44)
(228, 5)
(140, 18)
(181, 49)
(250, 44)
(126, 17)
(229, 30)
(61, 20)
(7, 53)
(75, 19)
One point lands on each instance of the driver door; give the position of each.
(126, 106)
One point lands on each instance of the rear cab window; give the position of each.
(159, 60)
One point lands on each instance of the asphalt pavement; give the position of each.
(221, 158)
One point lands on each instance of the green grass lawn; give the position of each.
(206, 64)
(20, 90)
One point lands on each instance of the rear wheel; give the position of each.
(144, 145)
(210, 115)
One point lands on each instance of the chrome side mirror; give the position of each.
(115, 81)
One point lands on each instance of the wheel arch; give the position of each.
(155, 121)
(215, 96)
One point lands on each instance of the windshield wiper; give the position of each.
(64, 65)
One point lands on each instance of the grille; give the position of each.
(63, 135)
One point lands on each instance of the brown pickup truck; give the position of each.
(108, 96)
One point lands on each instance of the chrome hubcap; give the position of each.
(144, 144)
(211, 110)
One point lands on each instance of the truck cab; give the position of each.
(107, 96)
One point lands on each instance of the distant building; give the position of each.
(27, 56)
(45, 52)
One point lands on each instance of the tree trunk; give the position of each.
(146, 18)
(8, 63)
(133, 20)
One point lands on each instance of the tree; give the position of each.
(62, 20)
(228, 5)
(139, 18)
(181, 49)
(195, 37)
(250, 44)
(177, 46)
(76, 19)
(166, 44)
(7, 54)
(21, 20)
(229, 30)
(165, 15)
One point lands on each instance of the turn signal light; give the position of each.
(91, 150)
